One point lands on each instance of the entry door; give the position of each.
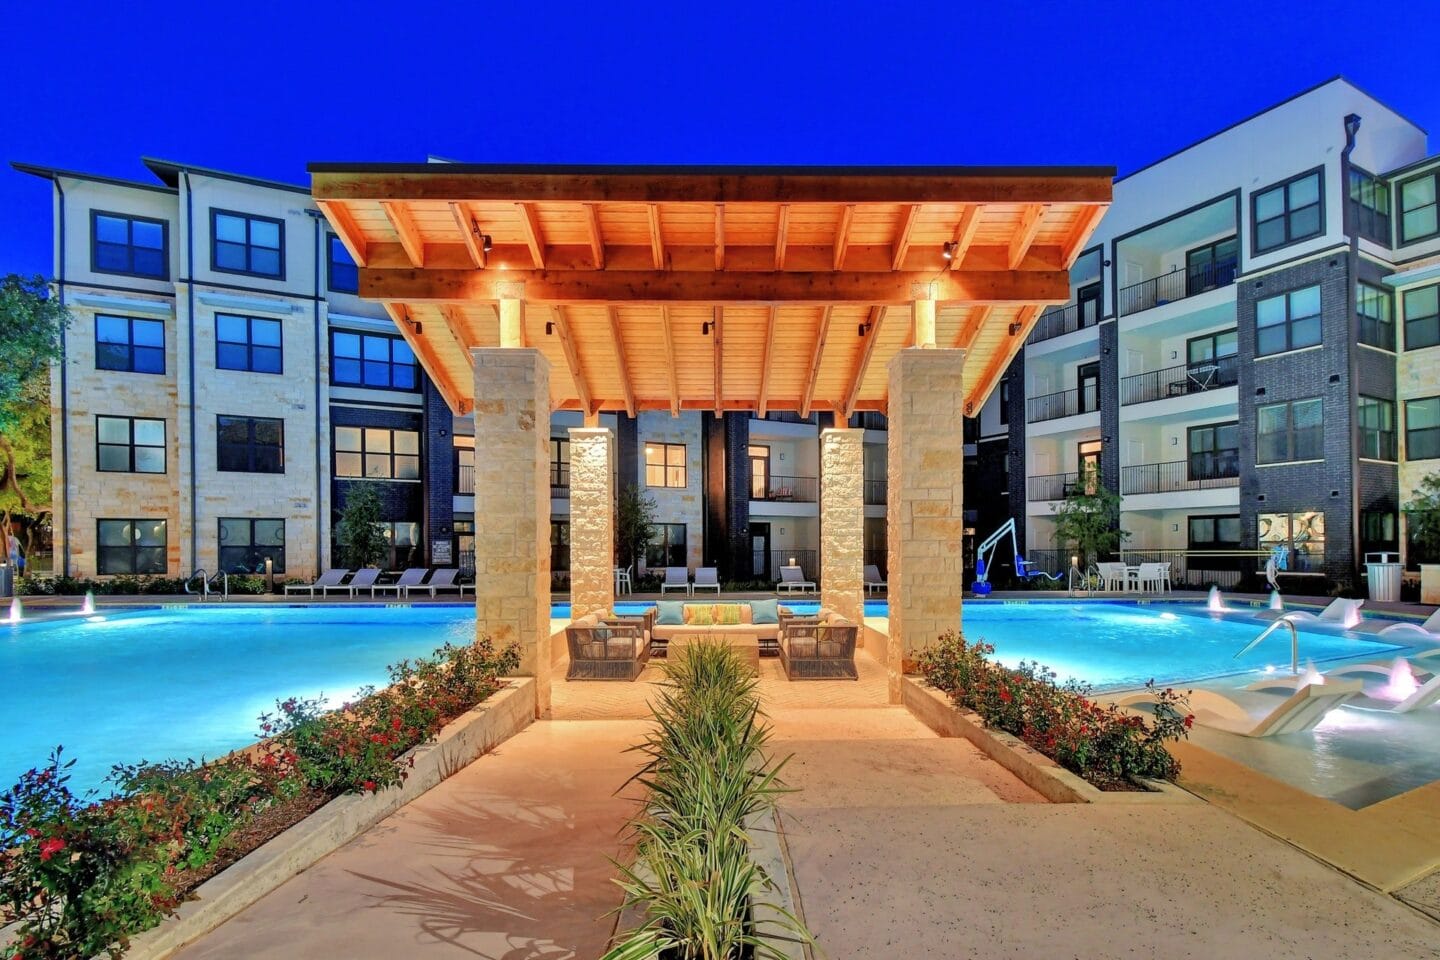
(1087, 299)
(1088, 375)
(759, 472)
(760, 550)
(1088, 455)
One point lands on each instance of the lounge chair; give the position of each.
(364, 579)
(873, 580)
(676, 578)
(442, 579)
(410, 578)
(1262, 713)
(1424, 666)
(1429, 630)
(1341, 612)
(792, 579)
(330, 578)
(706, 578)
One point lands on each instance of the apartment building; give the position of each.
(1249, 354)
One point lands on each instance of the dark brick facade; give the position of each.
(398, 500)
(726, 441)
(439, 466)
(1110, 404)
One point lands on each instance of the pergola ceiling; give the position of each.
(689, 288)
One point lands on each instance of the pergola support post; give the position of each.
(512, 524)
(842, 522)
(925, 513)
(592, 521)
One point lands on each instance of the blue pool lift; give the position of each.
(983, 553)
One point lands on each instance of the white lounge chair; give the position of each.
(363, 580)
(1261, 713)
(792, 580)
(706, 578)
(441, 580)
(676, 578)
(1341, 612)
(410, 578)
(1429, 630)
(873, 580)
(330, 578)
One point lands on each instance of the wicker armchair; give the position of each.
(816, 649)
(645, 621)
(606, 651)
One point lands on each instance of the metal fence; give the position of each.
(1180, 381)
(1057, 486)
(1179, 475)
(1065, 403)
(787, 490)
(1175, 285)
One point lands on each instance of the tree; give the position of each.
(362, 542)
(1422, 519)
(1087, 523)
(634, 524)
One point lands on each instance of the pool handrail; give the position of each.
(1294, 642)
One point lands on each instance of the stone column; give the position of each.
(924, 509)
(512, 516)
(842, 522)
(592, 520)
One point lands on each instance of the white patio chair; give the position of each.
(873, 580)
(410, 578)
(706, 578)
(1113, 576)
(330, 578)
(792, 580)
(1150, 577)
(623, 581)
(676, 578)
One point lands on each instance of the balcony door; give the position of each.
(1088, 456)
(759, 472)
(760, 551)
(1211, 266)
(1087, 301)
(1210, 360)
(1087, 376)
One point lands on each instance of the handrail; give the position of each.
(204, 582)
(1294, 642)
(224, 577)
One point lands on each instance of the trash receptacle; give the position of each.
(1382, 573)
(7, 580)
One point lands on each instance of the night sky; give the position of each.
(262, 89)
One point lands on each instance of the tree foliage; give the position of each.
(634, 524)
(1422, 518)
(1087, 523)
(362, 541)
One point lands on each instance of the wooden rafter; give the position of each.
(964, 235)
(782, 229)
(1085, 225)
(717, 315)
(534, 239)
(965, 336)
(719, 236)
(454, 318)
(767, 358)
(399, 218)
(572, 359)
(622, 363)
(657, 243)
(842, 235)
(592, 231)
(458, 400)
(1020, 241)
(346, 229)
(671, 374)
(816, 353)
(857, 377)
(1001, 360)
(901, 247)
(469, 232)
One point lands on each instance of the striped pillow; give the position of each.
(699, 615)
(727, 614)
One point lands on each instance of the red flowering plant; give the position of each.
(1104, 744)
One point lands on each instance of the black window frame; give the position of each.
(332, 241)
(1291, 444)
(1370, 217)
(260, 552)
(365, 453)
(1429, 447)
(163, 446)
(1004, 401)
(249, 218)
(1284, 185)
(131, 219)
(249, 343)
(132, 549)
(665, 466)
(1215, 272)
(661, 550)
(559, 546)
(559, 463)
(390, 363)
(1386, 443)
(1383, 326)
(250, 446)
(129, 344)
(1217, 462)
(1430, 320)
(1403, 239)
(1288, 324)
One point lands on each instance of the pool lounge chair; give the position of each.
(1429, 630)
(441, 580)
(363, 580)
(410, 578)
(873, 580)
(706, 578)
(676, 578)
(1341, 612)
(1425, 668)
(792, 579)
(1261, 713)
(330, 578)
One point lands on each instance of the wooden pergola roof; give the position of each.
(679, 288)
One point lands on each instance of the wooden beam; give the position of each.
(815, 354)
(782, 228)
(767, 357)
(719, 236)
(1085, 224)
(717, 315)
(459, 401)
(534, 239)
(592, 229)
(791, 287)
(964, 235)
(399, 216)
(657, 242)
(454, 318)
(572, 359)
(901, 246)
(347, 230)
(1020, 241)
(965, 336)
(842, 235)
(622, 363)
(469, 231)
(857, 377)
(1004, 353)
(671, 375)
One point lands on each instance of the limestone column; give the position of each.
(925, 515)
(592, 520)
(512, 519)
(842, 522)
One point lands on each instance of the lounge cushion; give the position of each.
(726, 614)
(764, 611)
(699, 615)
(671, 613)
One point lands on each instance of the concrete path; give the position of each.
(507, 859)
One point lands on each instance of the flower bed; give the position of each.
(1107, 746)
(80, 877)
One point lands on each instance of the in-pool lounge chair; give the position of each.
(330, 578)
(1262, 713)
(706, 578)
(441, 580)
(410, 578)
(873, 580)
(792, 579)
(1423, 667)
(363, 580)
(1339, 612)
(676, 578)
(1429, 630)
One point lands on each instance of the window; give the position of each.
(1214, 533)
(1377, 428)
(1377, 316)
(403, 536)
(1422, 429)
(1210, 362)
(666, 547)
(759, 455)
(1287, 212)
(377, 453)
(1211, 266)
(1422, 317)
(1087, 377)
(1297, 540)
(1370, 206)
(129, 344)
(248, 343)
(559, 546)
(1005, 401)
(250, 444)
(342, 276)
(372, 360)
(130, 546)
(245, 243)
(1418, 218)
(559, 467)
(1290, 431)
(464, 527)
(665, 465)
(1214, 451)
(137, 246)
(465, 470)
(1378, 531)
(246, 544)
(1287, 322)
(129, 445)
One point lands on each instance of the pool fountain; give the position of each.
(1401, 683)
(1275, 602)
(17, 611)
(88, 607)
(1216, 603)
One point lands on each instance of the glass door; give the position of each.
(1087, 299)
(1088, 375)
(1089, 458)
(760, 551)
(759, 472)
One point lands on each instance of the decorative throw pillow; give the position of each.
(699, 615)
(764, 611)
(671, 613)
(727, 614)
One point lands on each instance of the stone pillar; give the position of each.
(925, 510)
(842, 522)
(592, 520)
(512, 519)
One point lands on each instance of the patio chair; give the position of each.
(605, 651)
(819, 649)
(1429, 630)
(330, 578)
(873, 580)
(1340, 612)
(792, 579)
(1113, 576)
(442, 579)
(676, 578)
(410, 578)
(706, 578)
(364, 579)
(1150, 577)
(624, 583)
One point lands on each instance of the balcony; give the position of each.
(1204, 474)
(876, 492)
(1176, 285)
(1059, 486)
(560, 480)
(1058, 321)
(1065, 403)
(1179, 381)
(785, 489)
(465, 479)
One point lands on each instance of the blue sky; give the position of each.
(262, 89)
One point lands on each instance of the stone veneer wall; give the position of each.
(678, 504)
(842, 522)
(592, 520)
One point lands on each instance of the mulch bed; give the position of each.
(269, 824)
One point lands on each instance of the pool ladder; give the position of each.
(1294, 642)
(206, 581)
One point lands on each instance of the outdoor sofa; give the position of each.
(719, 619)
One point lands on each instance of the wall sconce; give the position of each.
(1174, 528)
(948, 252)
(1174, 354)
(862, 329)
(549, 327)
(1174, 441)
(486, 243)
(792, 561)
(705, 327)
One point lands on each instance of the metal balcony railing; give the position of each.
(1065, 403)
(1203, 473)
(1058, 486)
(766, 564)
(786, 490)
(1058, 321)
(465, 479)
(560, 480)
(1179, 381)
(876, 491)
(1175, 285)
